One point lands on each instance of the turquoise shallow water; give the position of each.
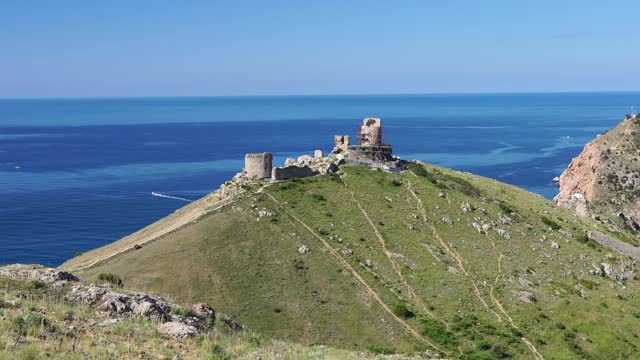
(76, 174)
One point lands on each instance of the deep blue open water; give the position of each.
(78, 174)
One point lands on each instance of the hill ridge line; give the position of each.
(228, 201)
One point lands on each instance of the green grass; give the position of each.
(110, 278)
(249, 268)
(60, 337)
(403, 311)
(550, 223)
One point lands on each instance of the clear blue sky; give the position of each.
(267, 47)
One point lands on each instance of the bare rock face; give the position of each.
(606, 175)
(580, 176)
(39, 273)
(177, 330)
(204, 312)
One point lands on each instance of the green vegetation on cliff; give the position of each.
(428, 259)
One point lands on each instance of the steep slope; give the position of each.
(426, 259)
(607, 175)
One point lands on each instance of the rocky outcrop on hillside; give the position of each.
(604, 178)
(111, 306)
(38, 273)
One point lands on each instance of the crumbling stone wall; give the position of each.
(290, 172)
(258, 165)
(342, 143)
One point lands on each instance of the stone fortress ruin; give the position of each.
(258, 166)
(369, 150)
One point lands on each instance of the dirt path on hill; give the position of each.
(453, 253)
(184, 223)
(450, 251)
(411, 292)
(499, 305)
(500, 256)
(499, 264)
(346, 266)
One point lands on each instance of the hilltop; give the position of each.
(428, 260)
(602, 182)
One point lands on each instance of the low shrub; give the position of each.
(506, 208)
(110, 278)
(298, 264)
(403, 311)
(318, 197)
(437, 332)
(34, 284)
(180, 311)
(550, 223)
(582, 238)
(22, 324)
(483, 345)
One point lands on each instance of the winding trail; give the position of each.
(346, 266)
(449, 250)
(454, 254)
(411, 292)
(500, 256)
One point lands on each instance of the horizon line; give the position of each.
(115, 97)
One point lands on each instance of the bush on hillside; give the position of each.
(403, 311)
(110, 278)
(506, 208)
(437, 332)
(550, 223)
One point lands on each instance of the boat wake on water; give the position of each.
(169, 197)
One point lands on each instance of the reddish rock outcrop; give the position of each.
(604, 178)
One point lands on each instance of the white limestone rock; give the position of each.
(177, 330)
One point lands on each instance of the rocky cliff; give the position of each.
(602, 181)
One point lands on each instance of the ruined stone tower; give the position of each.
(369, 147)
(341, 143)
(258, 165)
(370, 132)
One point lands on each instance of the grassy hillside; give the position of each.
(396, 263)
(37, 323)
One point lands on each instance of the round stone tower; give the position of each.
(258, 165)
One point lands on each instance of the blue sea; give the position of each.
(76, 174)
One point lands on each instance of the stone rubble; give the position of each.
(466, 207)
(47, 276)
(115, 305)
(504, 219)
